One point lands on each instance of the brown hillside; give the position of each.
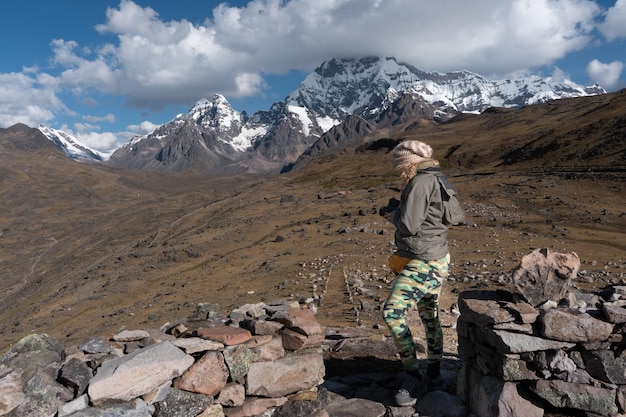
(87, 250)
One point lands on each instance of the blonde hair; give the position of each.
(408, 155)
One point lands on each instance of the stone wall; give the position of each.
(544, 347)
(256, 358)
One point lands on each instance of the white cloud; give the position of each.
(24, 100)
(157, 62)
(100, 141)
(614, 25)
(607, 75)
(109, 118)
(143, 128)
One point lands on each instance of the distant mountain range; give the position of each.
(337, 105)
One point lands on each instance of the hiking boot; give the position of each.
(434, 384)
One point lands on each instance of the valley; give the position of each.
(89, 250)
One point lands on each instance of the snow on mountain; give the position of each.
(341, 87)
(71, 146)
(214, 137)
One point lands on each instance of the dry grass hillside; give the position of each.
(87, 250)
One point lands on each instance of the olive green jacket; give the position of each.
(420, 231)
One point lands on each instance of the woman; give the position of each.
(422, 248)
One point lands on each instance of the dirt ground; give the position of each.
(113, 251)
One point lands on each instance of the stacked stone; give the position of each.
(259, 357)
(543, 347)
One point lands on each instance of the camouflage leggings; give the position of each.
(419, 283)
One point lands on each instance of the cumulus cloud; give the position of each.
(614, 25)
(143, 128)
(23, 99)
(157, 62)
(607, 75)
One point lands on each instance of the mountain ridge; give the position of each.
(379, 90)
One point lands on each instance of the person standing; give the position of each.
(421, 263)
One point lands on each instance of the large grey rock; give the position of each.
(439, 403)
(76, 374)
(605, 366)
(356, 407)
(34, 351)
(543, 275)
(179, 403)
(293, 373)
(44, 395)
(238, 359)
(304, 407)
(483, 308)
(96, 345)
(193, 345)
(563, 394)
(573, 326)
(139, 373)
(509, 342)
(255, 407)
(11, 393)
(491, 397)
(135, 408)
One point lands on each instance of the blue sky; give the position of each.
(105, 70)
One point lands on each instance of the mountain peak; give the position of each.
(70, 145)
(382, 91)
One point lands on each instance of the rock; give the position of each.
(238, 359)
(269, 351)
(300, 320)
(193, 345)
(293, 340)
(226, 334)
(605, 366)
(296, 372)
(76, 375)
(126, 378)
(573, 326)
(207, 376)
(33, 351)
(481, 307)
(261, 327)
(509, 342)
(79, 404)
(96, 345)
(490, 397)
(232, 395)
(442, 404)
(28, 371)
(356, 407)
(130, 335)
(577, 396)
(11, 393)
(135, 408)
(307, 404)
(615, 312)
(179, 403)
(543, 275)
(255, 406)
(215, 410)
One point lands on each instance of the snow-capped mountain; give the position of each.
(213, 137)
(70, 145)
